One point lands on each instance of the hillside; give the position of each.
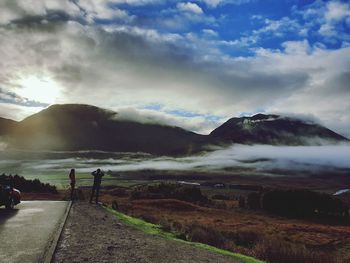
(274, 129)
(83, 127)
(124, 243)
(6, 126)
(72, 127)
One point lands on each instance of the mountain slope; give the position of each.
(274, 129)
(84, 127)
(72, 127)
(6, 126)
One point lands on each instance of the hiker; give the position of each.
(72, 183)
(97, 183)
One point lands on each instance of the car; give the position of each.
(9, 196)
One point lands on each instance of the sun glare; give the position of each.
(43, 89)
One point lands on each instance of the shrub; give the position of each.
(206, 235)
(244, 238)
(253, 201)
(301, 203)
(220, 197)
(169, 191)
(25, 185)
(241, 202)
(277, 251)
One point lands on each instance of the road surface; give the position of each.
(28, 231)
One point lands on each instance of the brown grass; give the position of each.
(268, 237)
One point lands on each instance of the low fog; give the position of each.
(258, 158)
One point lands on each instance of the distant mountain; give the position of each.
(72, 127)
(6, 126)
(274, 129)
(84, 127)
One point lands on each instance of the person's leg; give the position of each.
(97, 193)
(92, 193)
(72, 192)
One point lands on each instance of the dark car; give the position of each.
(9, 196)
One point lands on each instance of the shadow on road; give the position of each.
(7, 214)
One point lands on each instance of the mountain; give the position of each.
(83, 127)
(274, 129)
(73, 127)
(6, 126)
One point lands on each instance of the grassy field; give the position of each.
(222, 224)
(153, 229)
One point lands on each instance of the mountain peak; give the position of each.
(85, 127)
(275, 129)
(261, 116)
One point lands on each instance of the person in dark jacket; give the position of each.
(72, 183)
(97, 183)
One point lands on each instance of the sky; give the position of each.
(192, 64)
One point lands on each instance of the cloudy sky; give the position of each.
(188, 63)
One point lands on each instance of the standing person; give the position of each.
(97, 183)
(72, 183)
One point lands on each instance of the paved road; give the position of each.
(28, 231)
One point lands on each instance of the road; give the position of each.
(28, 231)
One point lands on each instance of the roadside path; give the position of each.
(92, 234)
(28, 231)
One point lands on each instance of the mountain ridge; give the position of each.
(86, 127)
(274, 129)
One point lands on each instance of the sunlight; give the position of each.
(43, 89)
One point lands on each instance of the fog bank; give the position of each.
(258, 158)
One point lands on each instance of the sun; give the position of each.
(42, 89)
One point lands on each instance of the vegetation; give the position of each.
(167, 191)
(240, 222)
(25, 185)
(302, 203)
(157, 230)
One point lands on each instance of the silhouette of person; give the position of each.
(72, 183)
(97, 183)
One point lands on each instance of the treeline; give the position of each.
(25, 185)
(297, 203)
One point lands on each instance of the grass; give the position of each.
(153, 229)
(253, 233)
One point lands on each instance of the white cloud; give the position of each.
(138, 2)
(102, 9)
(337, 11)
(210, 33)
(327, 30)
(328, 17)
(215, 3)
(190, 7)
(128, 66)
(17, 112)
(279, 27)
(197, 124)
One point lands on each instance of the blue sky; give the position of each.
(264, 24)
(192, 64)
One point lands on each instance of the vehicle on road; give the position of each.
(9, 196)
